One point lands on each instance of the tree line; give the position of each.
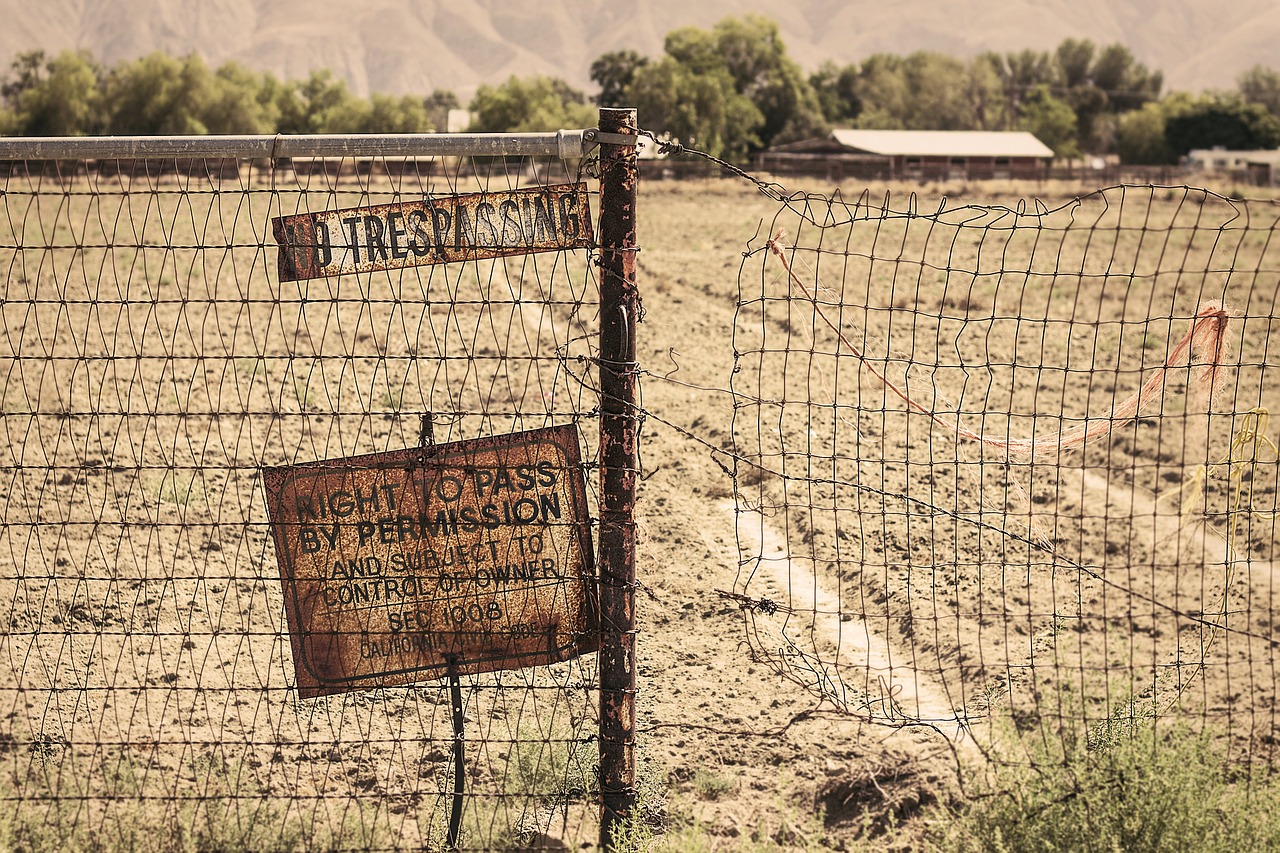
(730, 90)
(71, 94)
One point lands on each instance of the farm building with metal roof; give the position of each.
(937, 155)
(1259, 168)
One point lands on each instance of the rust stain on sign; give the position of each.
(396, 565)
(433, 231)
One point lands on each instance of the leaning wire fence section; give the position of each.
(1013, 470)
(151, 364)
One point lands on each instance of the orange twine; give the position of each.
(1206, 340)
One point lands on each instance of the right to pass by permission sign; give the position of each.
(474, 555)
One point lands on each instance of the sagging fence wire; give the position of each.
(153, 364)
(907, 568)
(1085, 478)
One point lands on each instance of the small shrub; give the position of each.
(1143, 791)
(711, 785)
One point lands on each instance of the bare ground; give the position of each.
(869, 647)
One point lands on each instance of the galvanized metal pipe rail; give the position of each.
(565, 144)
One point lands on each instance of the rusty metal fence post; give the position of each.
(619, 458)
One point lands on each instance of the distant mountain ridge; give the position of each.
(415, 46)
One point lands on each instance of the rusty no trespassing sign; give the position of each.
(433, 231)
(396, 566)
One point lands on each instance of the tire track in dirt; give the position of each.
(1164, 528)
(1194, 571)
(1188, 540)
(893, 690)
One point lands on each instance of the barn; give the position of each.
(932, 155)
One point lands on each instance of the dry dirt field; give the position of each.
(871, 606)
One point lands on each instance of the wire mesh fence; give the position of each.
(1010, 470)
(152, 364)
(1003, 472)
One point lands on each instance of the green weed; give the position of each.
(558, 769)
(547, 777)
(127, 805)
(1137, 789)
(711, 785)
(302, 389)
(546, 773)
(174, 487)
(251, 367)
(392, 398)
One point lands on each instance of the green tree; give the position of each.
(1099, 85)
(1140, 136)
(613, 72)
(1126, 82)
(438, 104)
(1222, 121)
(241, 101)
(1089, 104)
(1074, 58)
(25, 72)
(330, 106)
(390, 114)
(291, 108)
(984, 94)
(929, 91)
(1018, 74)
(948, 94)
(1261, 85)
(883, 90)
(837, 90)
(53, 97)
(160, 94)
(702, 110)
(750, 51)
(525, 104)
(757, 59)
(321, 104)
(1051, 120)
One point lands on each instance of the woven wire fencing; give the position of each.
(151, 364)
(1012, 470)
